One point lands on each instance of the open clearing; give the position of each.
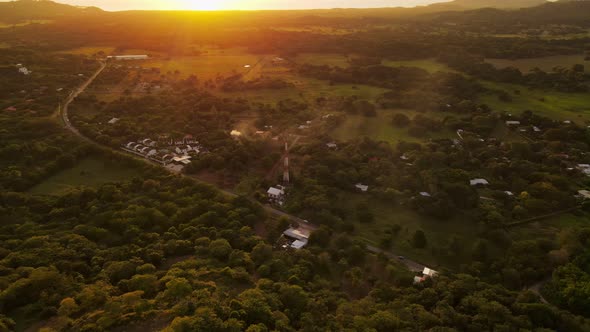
(204, 66)
(555, 105)
(90, 50)
(22, 24)
(438, 232)
(91, 172)
(543, 63)
(430, 65)
(381, 128)
(307, 89)
(318, 59)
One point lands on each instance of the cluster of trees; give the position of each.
(410, 87)
(163, 251)
(572, 79)
(570, 285)
(237, 83)
(40, 92)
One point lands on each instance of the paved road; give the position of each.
(412, 266)
(72, 96)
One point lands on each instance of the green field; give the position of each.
(555, 105)
(91, 172)
(543, 63)
(319, 59)
(549, 227)
(438, 232)
(430, 65)
(22, 24)
(380, 128)
(90, 50)
(307, 89)
(206, 66)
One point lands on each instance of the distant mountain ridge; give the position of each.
(476, 4)
(24, 10)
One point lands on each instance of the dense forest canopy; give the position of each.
(441, 190)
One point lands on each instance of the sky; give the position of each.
(244, 4)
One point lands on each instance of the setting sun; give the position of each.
(205, 5)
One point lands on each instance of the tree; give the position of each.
(67, 307)
(364, 214)
(178, 288)
(261, 253)
(419, 239)
(400, 120)
(220, 249)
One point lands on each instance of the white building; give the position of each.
(299, 237)
(585, 194)
(113, 120)
(276, 194)
(478, 182)
(513, 123)
(24, 71)
(584, 168)
(429, 272)
(362, 187)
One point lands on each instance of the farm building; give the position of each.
(297, 237)
(513, 123)
(426, 273)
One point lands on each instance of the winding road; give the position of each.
(411, 265)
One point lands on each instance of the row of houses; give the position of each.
(128, 57)
(179, 155)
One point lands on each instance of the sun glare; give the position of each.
(207, 4)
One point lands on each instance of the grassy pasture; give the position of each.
(543, 63)
(92, 172)
(204, 66)
(555, 105)
(89, 50)
(22, 24)
(307, 89)
(320, 59)
(380, 128)
(430, 65)
(438, 233)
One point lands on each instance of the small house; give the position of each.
(512, 123)
(276, 194)
(479, 182)
(113, 121)
(585, 194)
(362, 187)
(427, 272)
